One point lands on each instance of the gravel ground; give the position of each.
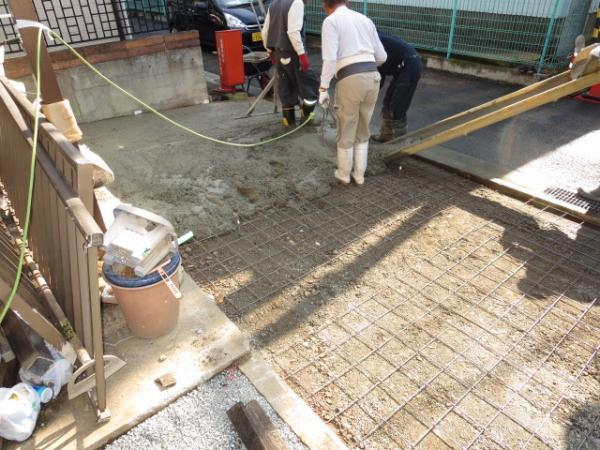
(199, 420)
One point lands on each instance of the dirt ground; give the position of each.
(419, 311)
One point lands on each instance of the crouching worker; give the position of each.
(351, 52)
(404, 66)
(283, 37)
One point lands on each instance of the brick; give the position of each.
(182, 44)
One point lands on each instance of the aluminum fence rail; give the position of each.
(539, 33)
(93, 21)
(64, 237)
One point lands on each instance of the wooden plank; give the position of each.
(254, 427)
(50, 88)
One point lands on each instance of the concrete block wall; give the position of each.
(164, 71)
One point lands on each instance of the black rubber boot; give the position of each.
(400, 127)
(306, 111)
(289, 117)
(391, 129)
(386, 133)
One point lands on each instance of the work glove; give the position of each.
(304, 62)
(324, 98)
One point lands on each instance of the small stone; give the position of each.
(162, 358)
(166, 381)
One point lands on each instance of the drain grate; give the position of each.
(573, 198)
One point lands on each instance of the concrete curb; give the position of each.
(313, 432)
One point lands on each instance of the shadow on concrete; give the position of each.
(584, 429)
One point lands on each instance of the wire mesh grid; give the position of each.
(486, 339)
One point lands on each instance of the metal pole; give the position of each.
(116, 13)
(24, 10)
(365, 7)
(452, 28)
(549, 34)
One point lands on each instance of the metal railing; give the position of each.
(87, 21)
(64, 237)
(538, 33)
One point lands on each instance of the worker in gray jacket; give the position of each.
(283, 38)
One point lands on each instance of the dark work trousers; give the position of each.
(402, 87)
(293, 83)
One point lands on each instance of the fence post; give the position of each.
(452, 28)
(548, 36)
(366, 7)
(118, 18)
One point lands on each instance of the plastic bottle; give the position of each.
(53, 374)
(41, 364)
(44, 393)
(19, 410)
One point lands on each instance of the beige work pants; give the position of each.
(355, 98)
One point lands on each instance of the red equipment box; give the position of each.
(231, 59)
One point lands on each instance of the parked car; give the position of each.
(208, 16)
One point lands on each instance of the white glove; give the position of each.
(324, 99)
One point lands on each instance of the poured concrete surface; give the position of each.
(554, 142)
(207, 187)
(204, 343)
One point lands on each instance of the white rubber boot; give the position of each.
(344, 164)
(361, 154)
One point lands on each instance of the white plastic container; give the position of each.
(19, 410)
(138, 239)
(53, 374)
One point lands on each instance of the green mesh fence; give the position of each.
(540, 33)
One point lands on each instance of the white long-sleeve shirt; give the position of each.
(295, 23)
(348, 37)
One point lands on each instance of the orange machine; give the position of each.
(231, 59)
(591, 96)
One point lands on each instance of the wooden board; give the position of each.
(254, 427)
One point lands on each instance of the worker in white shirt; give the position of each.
(351, 52)
(283, 37)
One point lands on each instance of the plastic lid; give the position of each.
(151, 278)
(45, 393)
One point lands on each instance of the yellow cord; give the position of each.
(171, 121)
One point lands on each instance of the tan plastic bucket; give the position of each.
(150, 311)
